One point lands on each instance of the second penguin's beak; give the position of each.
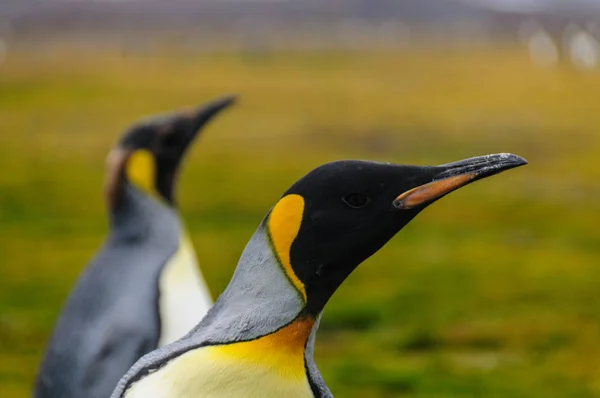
(190, 123)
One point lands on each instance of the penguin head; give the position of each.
(341, 213)
(149, 153)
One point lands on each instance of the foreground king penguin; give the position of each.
(143, 289)
(257, 340)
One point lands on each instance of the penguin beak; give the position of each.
(451, 176)
(194, 120)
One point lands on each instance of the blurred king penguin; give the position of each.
(257, 340)
(144, 288)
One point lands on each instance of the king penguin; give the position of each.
(258, 338)
(144, 288)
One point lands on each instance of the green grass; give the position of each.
(492, 292)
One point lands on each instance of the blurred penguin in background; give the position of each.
(144, 288)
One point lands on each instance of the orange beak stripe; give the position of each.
(433, 190)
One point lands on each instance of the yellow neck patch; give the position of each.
(141, 170)
(283, 226)
(281, 352)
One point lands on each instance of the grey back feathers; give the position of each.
(258, 301)
(111, 317)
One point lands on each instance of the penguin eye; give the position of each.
(356, 200)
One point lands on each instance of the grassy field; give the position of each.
(493, 292)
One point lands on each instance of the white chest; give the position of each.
(184, 298)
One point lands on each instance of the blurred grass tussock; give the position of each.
(492, 292)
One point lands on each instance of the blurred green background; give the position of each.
(492, 292)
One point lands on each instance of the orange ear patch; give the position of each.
(283, 226)
(141, 170)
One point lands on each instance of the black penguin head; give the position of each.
(343, 212)
(149, 153)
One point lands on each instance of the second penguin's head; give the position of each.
(148, 155)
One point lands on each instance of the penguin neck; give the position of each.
(259, 324)
(259, 300)
(138, 213)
